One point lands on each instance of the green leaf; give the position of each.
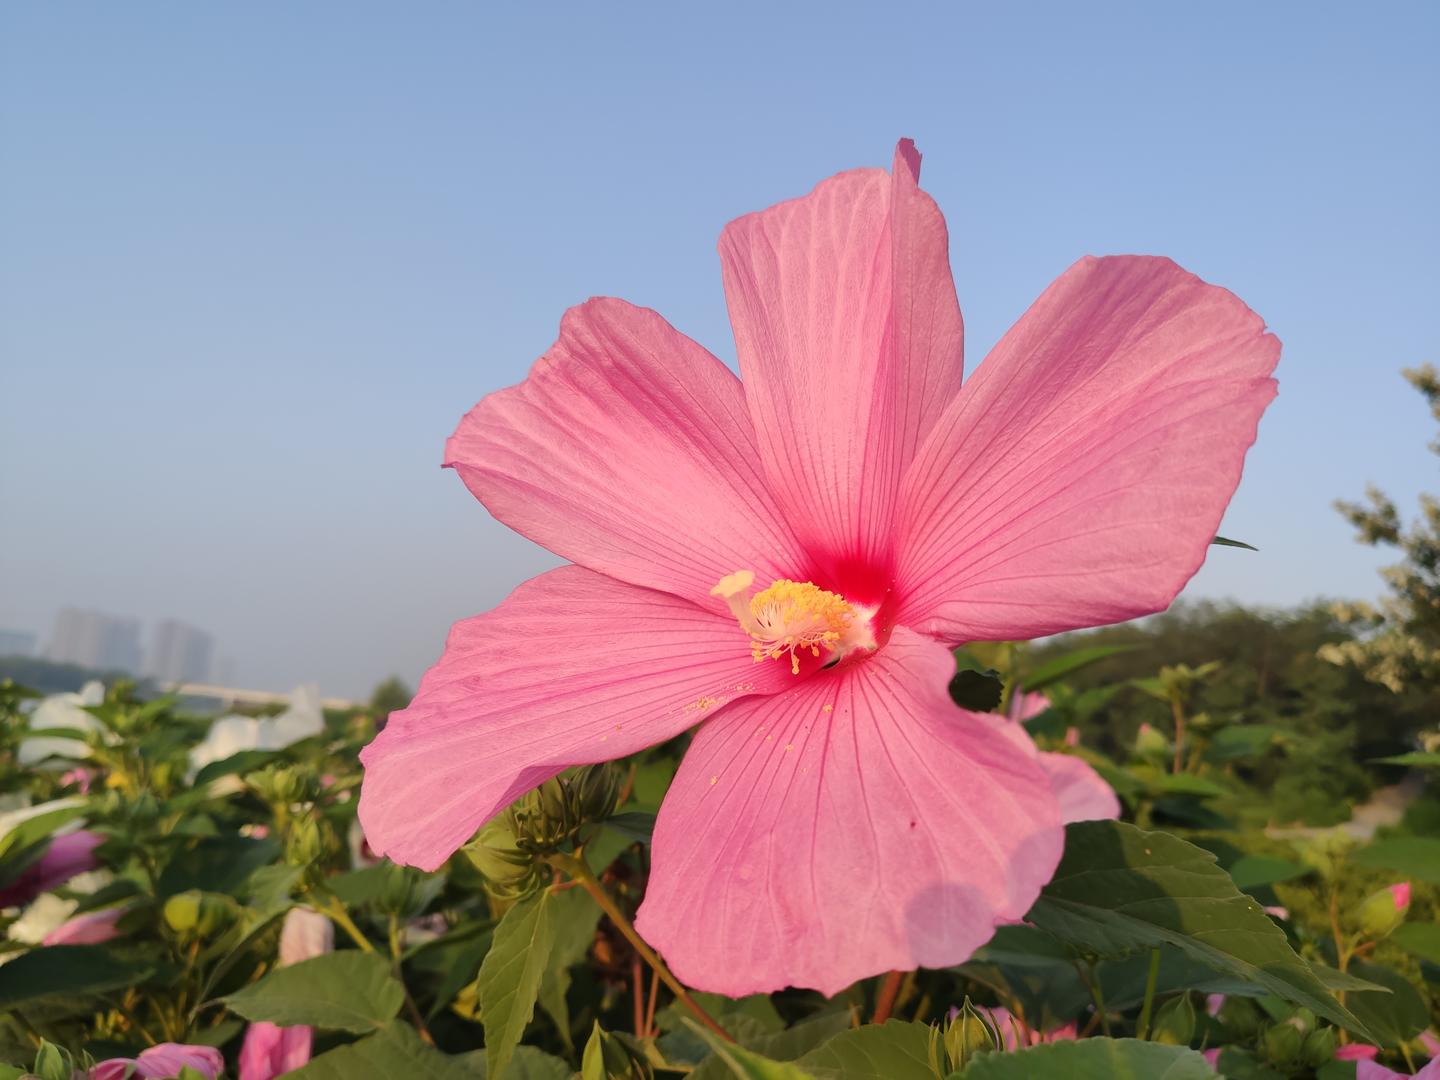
(1225, 541)
(344, 991)
(1119, 889)
(1253, 871)
(1419, 939)
(1093, 1059)
(395, 1050)
(40, 827)
(1421, 758)
(786, 1045)
(574, 917)
(217, 864)
(65, 971)
(1416, 857)
(511, 973)
(749, 1065)
(1052, 671)
(239, 763)
(633, 824)
(891, 1051)
(1395, 1017)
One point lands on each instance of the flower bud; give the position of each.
(182, 911)
(1318, 1047)
(397, 889)
(1240, 1015)
(1150, 743)
(509, 873)
(1383, 912)
(52, 1062)
(197, 916)
(969, 1034)
(1175, 1022)
(611, 1057)
(1281, 1044)
(553, 814)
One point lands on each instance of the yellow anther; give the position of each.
(789, 617)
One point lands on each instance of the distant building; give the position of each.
(95, 640)
(180, 653)
(16, 643)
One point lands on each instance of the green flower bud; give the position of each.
(613, 1057)
(182, 911)
(970, 1034)
(304, 845)
(509, 872)
(1281, 1044)
(197, 916)
(1381, 913)
(1240, 1015)
(1150, 743)
(1175, 1022)
(52, 1062)
(1318, 1047)
(554, 813)
(397, 889)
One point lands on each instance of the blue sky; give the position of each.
(256, 260)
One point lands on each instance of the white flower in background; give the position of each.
(231, 734)
(62, 711)
(48, 912)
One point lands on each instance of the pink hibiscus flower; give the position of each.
(67, 856)
(270, 1050)
(852, 511)
(162, 1062)
(1368, 1070)
(91, 928)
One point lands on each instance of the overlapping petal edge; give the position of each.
(847, 819)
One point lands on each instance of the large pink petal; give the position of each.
(1082, 472)
(850, 341)
(855, 824)
(1082, 793)
(629, 450)
(573, 668)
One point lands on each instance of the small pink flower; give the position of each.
(305, 934)
(1212, 1056)
(270, 1051)
(162, 1062)
(68, 855)
(848, 514)
(1214, 1003)
(1013, 1033)
(1400, 891)
(1026, 706)
(1277, 911)
(89, 929)
(1356, 1052)
(1072, 736)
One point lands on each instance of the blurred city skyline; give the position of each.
(255, 262)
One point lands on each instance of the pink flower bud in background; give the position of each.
(1213, 1003)
(162, 1062)
(272, 1051)
(1072, 736)
(1277, 911)
(1356, 1052)
(89, 929)
(68, 855)
(306, 934)
(1382, 912)
(1430, 1042)
(1212, 1056)
(80, 777)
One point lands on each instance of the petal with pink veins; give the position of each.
(1081, 473)
(1082, 793)
(857, 823)
(850, 342)
(628, 450)
(573, 668)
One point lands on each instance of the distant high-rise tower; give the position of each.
(180, 653)
(95, 640)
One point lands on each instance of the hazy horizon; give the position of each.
(256, 262)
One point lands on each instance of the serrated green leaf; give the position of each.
(892, 1051)
(341, 991)
(394, 1051)
(1119, 889)
(1416, 857)
(66, 971)
(575, 917)
(510, 976)
(1052, 671)
(1092, 1059)
(1394, 1017)
(1225, 541)
(1419, 939)
(747, 1064)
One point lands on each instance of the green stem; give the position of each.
(336, 910)
(1099, 997)
(1142, 1030)
(580, 871)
